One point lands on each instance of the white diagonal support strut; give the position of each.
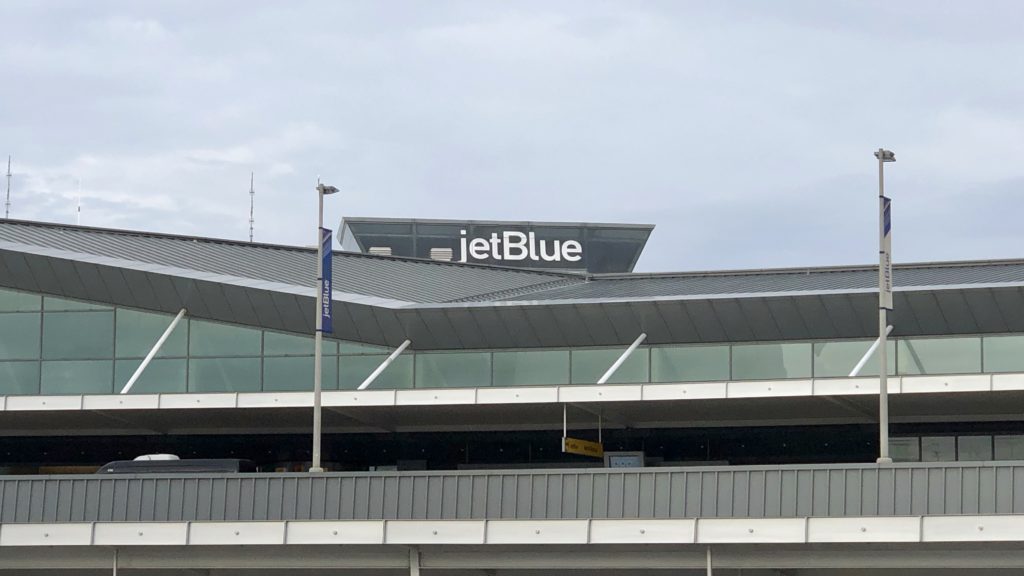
(611, 369)
(387, 362)
(864, 360)
(156, 348)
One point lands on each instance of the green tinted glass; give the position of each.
(54, 304)
(296, 373)
(278, 344)
(453, 369)
(358, 348)
(354, 369)
(837, 359)
(15, 301)
(212, 339)
(19, 378)
(940, 356)
(78, 335)
(224, 375)
(162, 376)
(589, 365)
(77, 377)
(1004, 354)
(690, 364)
(138, 332)
(531, 367)
(771, 361)
(19, 336)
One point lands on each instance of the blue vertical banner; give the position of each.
(326, 274)
(885, 271)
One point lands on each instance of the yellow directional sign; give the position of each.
(582, 447)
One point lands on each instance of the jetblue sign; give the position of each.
(514, 246)
(326, 274)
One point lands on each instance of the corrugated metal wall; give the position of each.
(759, 492)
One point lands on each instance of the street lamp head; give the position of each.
(325, 190)
(885, 155)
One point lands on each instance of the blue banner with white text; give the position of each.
(325, 281)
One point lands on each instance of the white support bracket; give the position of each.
(387, 362)
(618, 363)
(156, 348)
(864, 360)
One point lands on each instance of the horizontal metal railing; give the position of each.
(719, 492)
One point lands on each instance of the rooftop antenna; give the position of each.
(78, 212)
(252, 200)
(7, 203)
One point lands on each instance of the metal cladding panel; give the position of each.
(570, 324)
(1010, 301)
(926, 310)
(69, 277)
(985, 311)
(363, 326)
(734, 492)
(466, 327)
(546, 327)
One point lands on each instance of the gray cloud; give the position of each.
(744, 130)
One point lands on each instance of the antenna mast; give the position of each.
(78, 212)
(7, 203)
(252, 200)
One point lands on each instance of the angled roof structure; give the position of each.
(384, 300)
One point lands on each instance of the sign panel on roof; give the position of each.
(544, 245)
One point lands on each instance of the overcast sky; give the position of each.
(743, 130)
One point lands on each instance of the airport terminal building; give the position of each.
(730, 424)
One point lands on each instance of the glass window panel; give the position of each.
(19, 336)
(278, 344)
(295, 373)
(224, 375)
(531, 367)
(453, 369)
(974, 448)
(837, 359)
(771, 361)
(1009, 447)
(54, 304)
(354, 369)
(689, 364)
(1004, 353)
(19, 378)
(78, 335)
(358, 348)
(137, 332)
(213, 339)
(77, 377)
(940, 356)
(162, 376)
(589, 365)
(905, 449)
(938, 449)
(15, 301)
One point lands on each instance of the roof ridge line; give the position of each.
(502, 294)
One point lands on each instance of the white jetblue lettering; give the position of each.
(514, 246)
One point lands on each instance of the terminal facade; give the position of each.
(746, 438)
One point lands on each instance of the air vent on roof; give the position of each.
(441, 254)
(380, 250)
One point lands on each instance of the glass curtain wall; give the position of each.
(51, 345)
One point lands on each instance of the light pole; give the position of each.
(884, 303)
(323, 236)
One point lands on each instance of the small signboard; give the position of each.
(582, 447)
(885, 271)
(326, 275)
